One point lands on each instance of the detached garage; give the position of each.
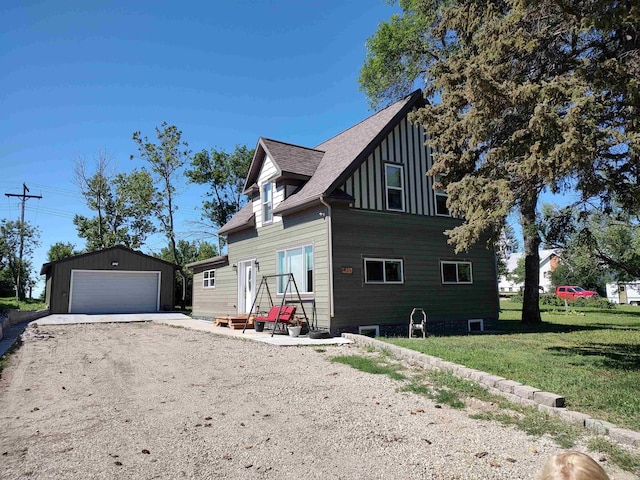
(113, 280)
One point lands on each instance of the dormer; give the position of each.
(277, 171)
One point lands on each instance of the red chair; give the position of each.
(286, 314)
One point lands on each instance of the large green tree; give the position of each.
(165, 158)
(224, 173)
(516, 106)
(595, 243)
(18, 238)
(123, 205)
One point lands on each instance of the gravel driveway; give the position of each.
(150, 401)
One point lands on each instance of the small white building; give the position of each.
(549, 260)
(624, 293)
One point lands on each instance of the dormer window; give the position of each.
(267, 203)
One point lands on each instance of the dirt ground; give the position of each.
(152, 401)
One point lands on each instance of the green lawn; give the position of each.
(591, 357)
(7, 303)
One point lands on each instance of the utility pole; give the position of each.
(24, 198)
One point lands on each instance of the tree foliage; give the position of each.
(61, 250)
(165, 159)
(526, 96)
(123, 204)
(12, 235)
(188, 252)
(224, 173)
(596, 243)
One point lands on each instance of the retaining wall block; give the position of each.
(575, 417)
(550, 410)
(599, 426)
(507, 385)
(491, 380)
(549, 399)
(525, 391)
(625, 436)
(465, 371)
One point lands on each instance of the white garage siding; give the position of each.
(100, 291)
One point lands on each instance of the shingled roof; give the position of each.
(241, 220)
(326, 166)
(292, 161)
(346, 151)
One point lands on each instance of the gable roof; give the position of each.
(326, 166)
(292, 161)
(245, 218)
(47, 266)
(346, 151)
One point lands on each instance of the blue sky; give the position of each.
(80, 76)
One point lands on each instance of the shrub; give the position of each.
(517, 298)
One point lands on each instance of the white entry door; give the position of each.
(246, 286)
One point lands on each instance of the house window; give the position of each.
(394, 177)
(267, 203)
(298, 261)
(441, 200)
(209, 279)
(383, 270)
(456, 272)
(441, 205)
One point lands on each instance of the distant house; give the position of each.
(357, 222)
(549, 261)
(112, 280)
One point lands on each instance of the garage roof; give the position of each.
(47, 266)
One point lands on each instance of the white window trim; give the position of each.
(473, 321)
(313, 253)
(263, 203)
(444, 262)
(435, 199)
(363, 329)
(384, 272)
(204, 278)
(387, 187)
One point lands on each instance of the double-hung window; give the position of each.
(394, 183)
(298, 261)
(209, 279)
(383, 270)
(456, 272)
(267, 202)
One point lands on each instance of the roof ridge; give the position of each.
(292, 144)
(368, 118)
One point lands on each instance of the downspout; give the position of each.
(330, 256)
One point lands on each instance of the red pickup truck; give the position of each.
(573, 292)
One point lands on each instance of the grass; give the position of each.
(373, 365)
(590, 356)
(444, 387)
(10, 303)
(619, 456)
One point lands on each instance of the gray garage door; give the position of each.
(114, 292)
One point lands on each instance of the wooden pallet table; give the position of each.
(234, 323)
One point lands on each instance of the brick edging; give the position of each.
(516, 392)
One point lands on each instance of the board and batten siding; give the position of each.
(421, 244)
(267, 172)
(308, 227)
(126, 260)
(219, 301)
(404, 146)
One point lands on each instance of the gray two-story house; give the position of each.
(358, 223)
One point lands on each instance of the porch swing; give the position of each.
(281, 314)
